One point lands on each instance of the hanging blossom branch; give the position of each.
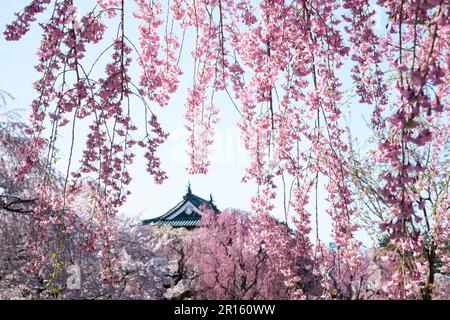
(66, 94)
(414, 50)
(367, 73)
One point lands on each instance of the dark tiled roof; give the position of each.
(197, 201)
(184, 219)
(180, 223)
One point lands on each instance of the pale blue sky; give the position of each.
(17, 60)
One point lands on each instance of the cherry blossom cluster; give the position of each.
(226, 262)
(21, 25)
(420, 95)
(157, 58)
(367, 72)
(67, 93)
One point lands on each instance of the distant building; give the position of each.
(333, 246)
(186, 214)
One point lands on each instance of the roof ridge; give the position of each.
(195, 200)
